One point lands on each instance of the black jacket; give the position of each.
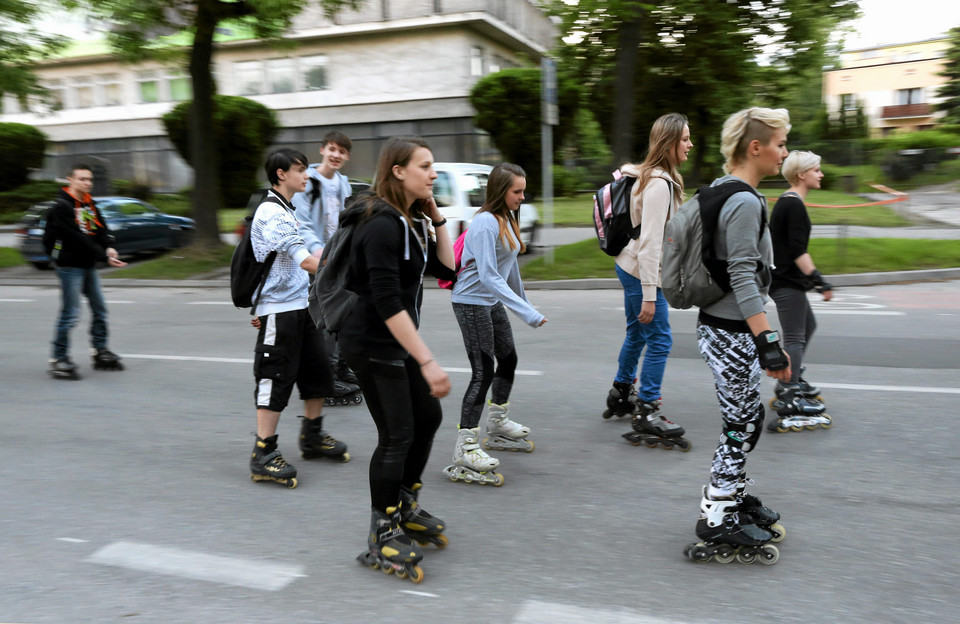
(76, 233)
(790, 235)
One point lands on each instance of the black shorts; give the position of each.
(290, 351)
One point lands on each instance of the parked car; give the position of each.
(136, 225)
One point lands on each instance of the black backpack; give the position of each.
(247, 276)
(331, 300)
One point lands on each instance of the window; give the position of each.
(56, 95)
(250, 77)
(476, 61)
(442, 193)
(111, 91)
(148, 87)
(281, 74)
(909, 96)
(83, 96)
(496, 64)
(848, 101)
(181, 89)
(475, 184)
(314, 69)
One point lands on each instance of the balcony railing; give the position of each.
(906, 110)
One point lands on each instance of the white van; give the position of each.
(460, 189)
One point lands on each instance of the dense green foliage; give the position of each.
(950, 91)
(242, 131)
(21, 46)
(22, 149)
(508, 107)
(14, 202)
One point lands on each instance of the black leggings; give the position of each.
(486, 336)
(407, 418)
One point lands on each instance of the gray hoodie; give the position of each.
(312, 215)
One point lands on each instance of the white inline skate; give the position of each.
(470, 463)
(503, 433)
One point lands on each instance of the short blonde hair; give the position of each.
(798, 162)
(749, 125)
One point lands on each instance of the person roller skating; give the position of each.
(417, 522)
(344, 393)
(390, 549)
(728, 533)
(315, 442)
(63, 368)
(105, 359)
(470, 463)
(796, 412)
(754, 509)
(802, 387)
(651, 428)
(503, 433)
(267, 464)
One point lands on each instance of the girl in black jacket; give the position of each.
(401, 381)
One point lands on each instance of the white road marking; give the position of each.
(537, 612)
(531, 373)
(922, 389)
(249, 573)
(17, 300)
(119, 302)
(72, 540)
(229, 303)
(418, 593)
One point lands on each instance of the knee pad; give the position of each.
(745, 435)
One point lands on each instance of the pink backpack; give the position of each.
(457, 255)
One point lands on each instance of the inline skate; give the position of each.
(344, 373)
(762, 516)
(798, 412)
(471, 463)
(621, 400)
(803, 388)
(390, 549)
(63, 368)
(344, 394)
(315, 442)
(650, 428)
(267, 464)
(505, 434)
(417, 522)
(105, 359)
(728, 534)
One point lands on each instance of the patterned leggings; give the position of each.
(732, 357)
(486, 336)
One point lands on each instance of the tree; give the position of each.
(138, 32)
(950, 91)
(21, 46)
(22, 149)
(690, 56)
(243, 129)
(508, 107)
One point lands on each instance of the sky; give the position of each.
(902, 21)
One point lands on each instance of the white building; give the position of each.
(392, 67)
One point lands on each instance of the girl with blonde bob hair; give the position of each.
(654, 198)
(794, 274)
(487, 285)
(736, 340)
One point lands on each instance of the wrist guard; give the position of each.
(819, 284)
(770, 352)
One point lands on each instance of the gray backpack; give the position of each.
(691, 275)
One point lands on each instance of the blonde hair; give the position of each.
(665, 135)
(750, 124)
(798, 162)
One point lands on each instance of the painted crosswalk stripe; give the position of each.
(198, 566)
(881, 388)
(537, 612)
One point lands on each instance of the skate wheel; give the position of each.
(779, 533)
(329, 402)
(829, 422)
(769, 554)
(532, 446)
(386, 568)
(358, 399)
(292, 483)
(667, 446)
(796, 428)
(607, 414)
(416, 575)
(401, 574)
(747, 557)
(650, 443)
(725, 554)
(782, 429)
(497, 479)
(345, 458)
(684, 445)
(442, 541)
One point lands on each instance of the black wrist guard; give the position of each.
(769, 352)
(819, 284)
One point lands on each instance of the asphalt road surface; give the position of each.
(126, 496)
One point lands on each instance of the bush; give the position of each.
(22, 149)
(243, 129)
(15, 202)
(567, 181)
(129, 188)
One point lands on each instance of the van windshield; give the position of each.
(475, 185)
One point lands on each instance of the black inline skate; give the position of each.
(267, 464)
(762, 516)
(390, 549)
(728, 534)
(344, 394)
(803, 388)
(417, 522)
(105, 359)
(63, 368)
(345, 374)
(797, 412)
(315, 442)
(651, 429)
(621, 400)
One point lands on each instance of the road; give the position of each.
(127, 497)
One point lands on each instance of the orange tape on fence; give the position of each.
(898, 197)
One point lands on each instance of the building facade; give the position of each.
(896, 85)
(391, 67)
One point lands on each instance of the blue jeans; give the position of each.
(74, 281)
(655, 336)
